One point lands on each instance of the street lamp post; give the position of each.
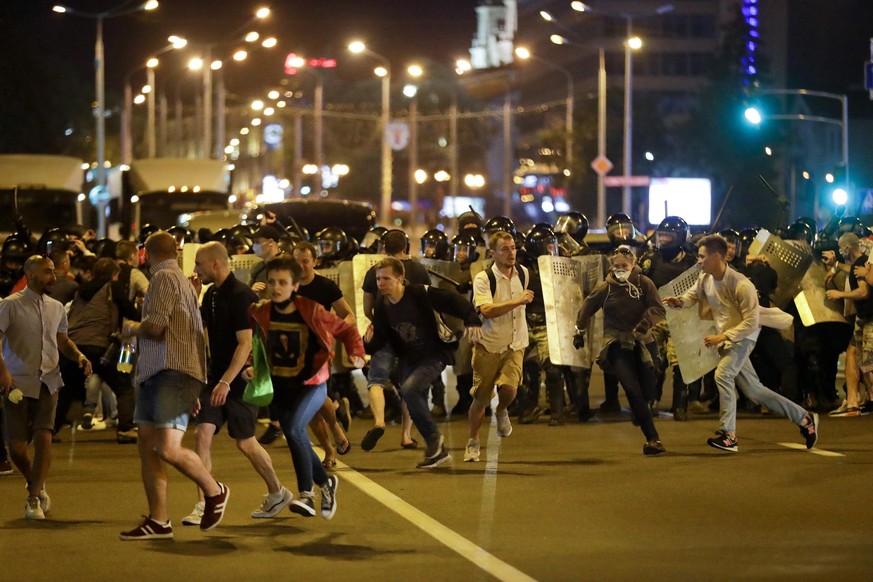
(100, 93)
(387, 158)
(632, 43)
(525, 54)
(754, 116)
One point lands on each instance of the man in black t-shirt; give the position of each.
(395, 244)
(225, 316)
(404, 320)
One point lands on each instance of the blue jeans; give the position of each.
(735, 371)
(294, 415)
(414, 389)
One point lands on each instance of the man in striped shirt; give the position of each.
(170, 375)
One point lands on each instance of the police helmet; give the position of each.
(370, 242)
(620, 229)
(464, 248)
(435, 244)
(498, 223)
(16, 249)
(52, 239)
(146, 231)
(332, 244)
(541, 240)
(801, 230)
(574, 224)
(394, 241)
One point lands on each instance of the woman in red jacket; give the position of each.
(299, 336)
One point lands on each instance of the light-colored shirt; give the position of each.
(30, 324)
(171, 304)
(507, 331)
(732, 304)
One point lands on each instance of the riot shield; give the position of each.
(811, 303)
(562, 281)
(360, 265)
(688, 330)
(788, 260)
(186, 258)
(242, 265)
(341, 359)
(594, 269)
(440, 271)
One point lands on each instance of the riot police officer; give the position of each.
(435, 245)
(571, 229)
(668, 260)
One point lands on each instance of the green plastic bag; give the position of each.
(259, 391)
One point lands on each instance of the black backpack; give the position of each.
(492, 280)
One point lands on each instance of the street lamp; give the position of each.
(100, 90)
(525, 54)
(754, 116)
(358, 47)
(411, 91)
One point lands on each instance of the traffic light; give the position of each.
(837, 185)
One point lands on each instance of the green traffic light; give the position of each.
(753, 115)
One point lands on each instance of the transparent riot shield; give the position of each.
(812, 305)
(688, 330)
(790, 262)
(341, 360)
(242, 265)
(360, 265)
(443, 274)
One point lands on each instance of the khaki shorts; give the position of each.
(30, 415)
(490, 370)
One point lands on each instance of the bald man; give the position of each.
(225, 313)
(31, 367)
(170, 375)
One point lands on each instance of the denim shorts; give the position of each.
(165, 400)
(382, 363)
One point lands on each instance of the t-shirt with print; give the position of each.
(292, 349)
(321, 290)
(409, 325)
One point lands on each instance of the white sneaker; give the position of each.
(196, 514)
(504, 427)
(273, 503)
(32, 509)
(471, 454)
(45, 502)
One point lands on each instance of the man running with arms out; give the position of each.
(225, 313)
(31, 367)
(729, 297)
(170, 375)
(497, 358)
(404, 319)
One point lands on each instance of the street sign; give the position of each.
(397, 134)
(601, 165)
(868, 75)
(611, 181)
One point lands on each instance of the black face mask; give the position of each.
(668, 254)
(286, 303)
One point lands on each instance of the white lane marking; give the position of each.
(449, 538)
(814, 451)
(489, 481)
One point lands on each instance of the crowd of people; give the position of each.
(201, 342)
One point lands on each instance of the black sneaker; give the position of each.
(149, 529)
(328, 497)
(531, 415)
(304, 504)
(653, 448)
(724, 442)
(436, 460)
(810, 431)
(271, 435)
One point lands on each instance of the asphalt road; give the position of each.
(574, 502)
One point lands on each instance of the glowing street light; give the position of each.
(262, 13)
(216, 65)
(420, 176)
(195, 64)
(635, 43)
(380, 72)
(139, 99)
(752, 115)
(240, 55)
(415, 71)
(257, 105)
(273, 94)
(152, 63)
(546, 16)
(269, 42)
(840, 196)
(253, 36)
(829, 178)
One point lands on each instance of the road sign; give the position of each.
(397, 134)
(611, 181)
(868, 77)
(601, 165)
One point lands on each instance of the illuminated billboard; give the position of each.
(690, 198)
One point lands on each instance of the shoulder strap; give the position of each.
(492, 280)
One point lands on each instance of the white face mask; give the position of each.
(621, 275)
(258, 250)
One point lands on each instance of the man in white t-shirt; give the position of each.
(729, 298)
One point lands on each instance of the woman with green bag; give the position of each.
(298, 336)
